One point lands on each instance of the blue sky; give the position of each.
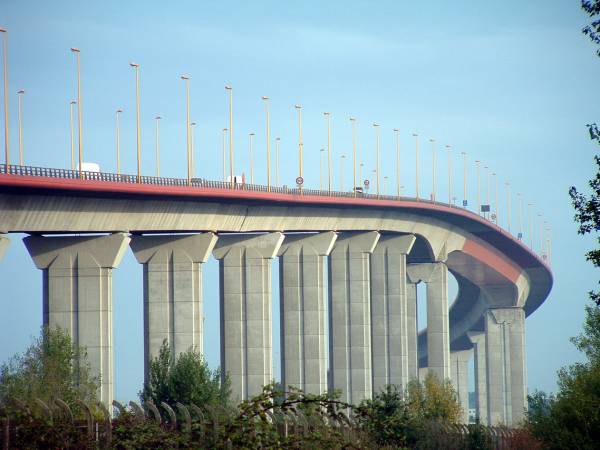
(507, 82)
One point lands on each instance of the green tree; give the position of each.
(52, 367)
(187, 379)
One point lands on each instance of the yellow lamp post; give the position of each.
(77, 53)
(193, 148)
(5, 70)
(186, 79)
(268, 138)
(71, 105)
(231, 167)
(224, 159)
(20, 93)
(136, 67)
(299, 109)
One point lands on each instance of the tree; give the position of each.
(592, 30)
(52, 367)
(186, 379)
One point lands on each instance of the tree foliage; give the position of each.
(52, 367)
(186, 379)
(592, 8)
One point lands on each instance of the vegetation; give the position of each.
(186, 379)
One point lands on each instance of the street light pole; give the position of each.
(157, 118)
(529, 207)
(137, 118)
(299, 108)
(223, 154)
(378, 169)
(71, 103)
(507, 184)
(496, 196)
(385, 178)
(5, 65)
(397, 134)
(118, 138)
(186, 79)
(192, 148)
(478, 188)
(449, 148)
(277, 143)
(353, 120)
(266, 100)
(342, 172)
(465, 200)
(520, 200)
(20, 93)
(322, 153)
(329, 171)
(79, 108)
(433, 169)
(231, 168)
(250, 136)
(416, 136)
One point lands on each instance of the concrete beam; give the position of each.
(78, 293)
(173, 306)
(435, 276)
(302, 306)
(478, 340)
(460, 379)
(350, 315)
(506, 370)
(388, 311)
(245, 305)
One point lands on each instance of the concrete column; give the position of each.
(303, 332)
(460, 378)
(245, 306)
(412, 330)
(350, 315)
(173, 307)
(78, 293)
(478, 340)
(388, 311)
(4, 242)
(435, 275)
(506, 370)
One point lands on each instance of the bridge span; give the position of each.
(353, 328)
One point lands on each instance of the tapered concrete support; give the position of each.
(77, 295)
(388, 311)
(412, 330)
(460, 378)
(4, 242)
(478, 341)
(303, 323)
(245, 297)
(435, 276)
(350, 315)
(506, 370)
(173, 307)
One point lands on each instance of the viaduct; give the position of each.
(355, 330)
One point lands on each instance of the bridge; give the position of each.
(352, 327)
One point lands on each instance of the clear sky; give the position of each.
(510, 83)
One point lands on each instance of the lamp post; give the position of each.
(299, 109)
(507, 184)
(277, 143)
(432, 169)
(223, 155)
(353, 121)
(77, 52)
(266, 100)
(5, 66)
(360, 171)
(465, 200)
(529, 207)
(157, 119)
(186, 79)
(495, 196)
(71, 104)
(487, 184)
(478, 188)
(137, 118)
(397, 135)
(322, 154)
(416, 136)
(342, 157)
(385, 178)
(449, 148)
(231, 172)
(193, 148)
(329, 171)
(378, 168)
(250, 136)
(20, 93)
(520, 200)
(118, 138)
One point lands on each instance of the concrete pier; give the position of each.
(412, 330)
(388, 311)
(350, 315)
(478, 340)
(245, 308)
(173, 307)
(77, 293)
(303, 323)
(435, 276)
(460, 378)
(505, 362)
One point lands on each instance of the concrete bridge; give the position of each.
(357, 335)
